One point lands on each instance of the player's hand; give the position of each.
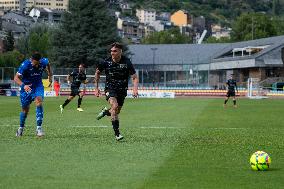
(135, 93)
(27, 88)
(97, 92)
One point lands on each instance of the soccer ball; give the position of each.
(260, 161)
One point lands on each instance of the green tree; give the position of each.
(215, 40)
(11, 59)
(172, 36)
(251, 26)
(9, 42)
(278, 23)
(37, 39)
(85, 34)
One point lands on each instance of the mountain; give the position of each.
(223, 11)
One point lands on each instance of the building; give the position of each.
(28, 4)
(181, 18)
(210, 65)
(146, 16)
(10, 4)
(218, 31)
(130, 29)
(16, 22)
(133, 30)
(46, 15)
(160, 25)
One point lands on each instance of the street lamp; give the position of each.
(153, 65)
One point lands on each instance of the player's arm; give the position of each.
(18, 80)
(96, 82)
(49, 73)
(236, 87)
(135, 82)
(68, 79)
(84, 86)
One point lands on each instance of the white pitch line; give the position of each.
(162, 127)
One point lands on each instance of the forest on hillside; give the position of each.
(222, 11)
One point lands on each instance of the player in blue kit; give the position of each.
(29, 77)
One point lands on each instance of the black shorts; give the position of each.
(231, 93)
(119, 95)
(75, 91)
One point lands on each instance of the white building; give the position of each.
(146, 16)
(28, 4)
(218, 31)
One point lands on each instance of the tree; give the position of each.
(251, 26)
(11, 59)
(9, 42)
(220, 40)
(172, 36)
(85, 33)
(37, 39)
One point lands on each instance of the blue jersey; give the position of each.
(31, 74)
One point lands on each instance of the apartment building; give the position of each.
(28, 4)
(146, 16)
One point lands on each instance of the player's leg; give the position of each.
(23, 116)
(26, 100)
(105, 111)
(69, 99)
(120, 101)
(81, 94)
(39, 96)
(114, 117)
(226, 99)
(235, 101)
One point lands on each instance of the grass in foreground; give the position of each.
(169, 143)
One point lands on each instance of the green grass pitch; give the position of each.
(169, 144)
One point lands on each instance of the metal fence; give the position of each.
(147, 77)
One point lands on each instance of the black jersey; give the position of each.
(77, 78)
(232, 84)
(117, 74)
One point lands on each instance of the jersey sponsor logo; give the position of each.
(123, 65)
(35, 74)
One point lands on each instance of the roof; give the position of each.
(174, 53)
(197, 53)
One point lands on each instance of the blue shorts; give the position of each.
(28, 97)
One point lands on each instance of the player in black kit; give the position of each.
(118, 69)
(232, 86)
(78, 77)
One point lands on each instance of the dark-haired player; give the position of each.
(78, 77)
(118, 69)
(232, 87)
(29, 77)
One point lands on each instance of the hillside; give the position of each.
(223, 11)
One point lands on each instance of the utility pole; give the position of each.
(153, 65)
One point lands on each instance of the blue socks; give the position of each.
(23, 117)
(39, 115)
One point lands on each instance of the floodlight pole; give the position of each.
(153, 65)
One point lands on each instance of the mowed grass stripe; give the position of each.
(192, 157)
